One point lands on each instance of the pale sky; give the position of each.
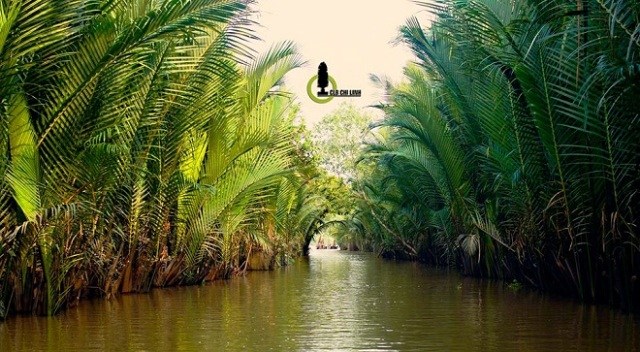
(354, 38)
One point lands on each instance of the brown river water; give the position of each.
(331, 301)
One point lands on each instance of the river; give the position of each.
(331, 301)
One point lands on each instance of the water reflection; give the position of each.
(332, 301)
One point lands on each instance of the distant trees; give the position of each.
(338, 139)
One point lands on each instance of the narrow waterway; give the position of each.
(332, 301)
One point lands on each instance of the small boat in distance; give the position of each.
(321, 244)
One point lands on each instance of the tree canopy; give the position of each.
(511, 149)
(338, 139)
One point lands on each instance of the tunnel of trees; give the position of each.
(144, 145)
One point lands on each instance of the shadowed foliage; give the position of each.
(511, 149)
(141, 146)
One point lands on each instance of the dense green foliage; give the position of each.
(337, 140)
(512, 149)
(142, 146)
(335, 145)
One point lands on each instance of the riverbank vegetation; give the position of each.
(143, 145)
(511, 149)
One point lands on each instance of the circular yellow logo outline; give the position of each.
(334, 86)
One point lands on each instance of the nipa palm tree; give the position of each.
(136, 147)
(512, 138)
